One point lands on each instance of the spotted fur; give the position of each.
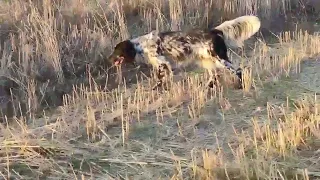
(173, 49)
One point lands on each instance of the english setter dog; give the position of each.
(166, 51)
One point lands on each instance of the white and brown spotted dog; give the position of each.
(166, 51)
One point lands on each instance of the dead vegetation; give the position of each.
(68, 114)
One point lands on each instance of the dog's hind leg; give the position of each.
(227, 64)
(213, 81)
(220, 49)
(217, 63)
(210, 65)
(164, 69)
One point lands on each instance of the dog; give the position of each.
(169, 50)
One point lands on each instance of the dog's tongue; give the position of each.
(119, 61)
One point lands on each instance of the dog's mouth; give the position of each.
(118, 61)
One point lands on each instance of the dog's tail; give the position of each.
(236, 31)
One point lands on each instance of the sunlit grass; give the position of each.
(73, 116)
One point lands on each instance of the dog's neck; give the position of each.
(141, 45)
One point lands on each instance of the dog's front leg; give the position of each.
(162, 72)
(163, 68)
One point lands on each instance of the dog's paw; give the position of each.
(239, 86)
(159, 84)
(162, 86)
(239, 73)
(211, 84)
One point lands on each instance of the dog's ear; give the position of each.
(152, 35)
(155, 32)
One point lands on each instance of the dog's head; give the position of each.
(124, 52)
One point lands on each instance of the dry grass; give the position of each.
(67, 114)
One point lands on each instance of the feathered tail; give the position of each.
(238, 30)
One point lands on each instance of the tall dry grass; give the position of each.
(51, 48)
(48, 44)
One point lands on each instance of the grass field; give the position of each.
(68, 114)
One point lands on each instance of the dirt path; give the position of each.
(309, 78)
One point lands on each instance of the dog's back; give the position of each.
(180, 46)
